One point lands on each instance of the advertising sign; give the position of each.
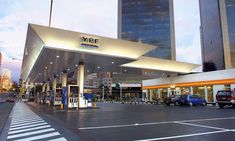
(89, 41)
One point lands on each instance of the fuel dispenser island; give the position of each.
(88, 97)
(76, 100)
(73, 91)
(58, 97)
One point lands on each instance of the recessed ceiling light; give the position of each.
(112, 62)
(51, 63)
(125, 70)
(98, 67)
(68, 69)
(45, 67)
(76, 65)
(57, 56)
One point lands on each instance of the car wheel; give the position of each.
(176, 103)
(221, 106)
(190, 104)
(204, 104)
(168, 104)
(233, 105)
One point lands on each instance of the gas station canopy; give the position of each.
(51, 51)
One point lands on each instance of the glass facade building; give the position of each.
(218, 34)
(148, 21)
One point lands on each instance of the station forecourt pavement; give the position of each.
(128, 122)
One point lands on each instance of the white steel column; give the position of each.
(54, 85)
(81, 78)
(82, 102)
(150, 94)
(48, 86)
(43, 87)
(206, 93)
(232, 86)
(64, 79)
(191, 90)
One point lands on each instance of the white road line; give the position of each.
(28, 129)
(22, 127)
(40, 137)
(204, 126)
(30, 133)
(23, 124)
(25, 121)
(208, 119)
(22, 117)
(28, 126)
(58, 139)
(182, 136)
(151, 123)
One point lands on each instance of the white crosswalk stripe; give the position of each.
(28, 126)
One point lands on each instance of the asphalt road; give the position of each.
(146, 122)
(5, 109)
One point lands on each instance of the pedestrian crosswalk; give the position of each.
(28, 126)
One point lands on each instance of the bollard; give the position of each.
(94, 105)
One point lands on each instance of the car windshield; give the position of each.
(224, 93)
(194, 96)
(184, 96)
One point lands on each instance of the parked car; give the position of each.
(191, 99)
(171, 100)
(10, 99)
(225, 97)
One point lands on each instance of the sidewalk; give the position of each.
(26, 126)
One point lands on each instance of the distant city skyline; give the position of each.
(100, 19)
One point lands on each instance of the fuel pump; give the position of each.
(73, 96)
(58, 97)
(64, 97)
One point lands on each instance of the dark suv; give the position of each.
(225, 97)
(171, 100)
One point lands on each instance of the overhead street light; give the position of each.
(16, 59)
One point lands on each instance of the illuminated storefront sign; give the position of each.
(89, 41)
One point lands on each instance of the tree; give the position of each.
(14, 87)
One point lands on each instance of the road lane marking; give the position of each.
(40, 137)
(23, 127)
(27, 126)
(151, 123)
(58, 139)
(28, 129)
(30, 133)
(183, 136)
(204, 126)
(26, 121)
(30, 119)
(23, 124)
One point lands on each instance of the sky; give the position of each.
(97, 17)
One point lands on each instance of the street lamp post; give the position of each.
(50, 13)
(102, 92)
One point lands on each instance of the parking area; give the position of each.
(128, 122)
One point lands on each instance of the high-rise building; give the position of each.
(148, 21)
(218, 34)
